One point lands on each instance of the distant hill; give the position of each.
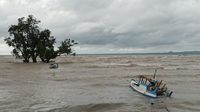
(186, 53)
(163, 53)
(171, 53)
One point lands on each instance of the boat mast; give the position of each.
(154, 76)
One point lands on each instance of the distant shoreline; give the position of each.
(121, 54)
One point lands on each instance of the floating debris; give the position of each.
(53, 66)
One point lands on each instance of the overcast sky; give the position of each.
(111, 26)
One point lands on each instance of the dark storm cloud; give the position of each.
(141, 25)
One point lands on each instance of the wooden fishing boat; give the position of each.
(150, 87)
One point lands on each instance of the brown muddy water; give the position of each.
(98, 84)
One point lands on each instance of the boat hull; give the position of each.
(141, 88)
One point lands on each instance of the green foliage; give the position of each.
(24, 37)
(45, 46)
(65, 47)
(29, 42)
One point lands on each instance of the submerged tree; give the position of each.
(24, 38)
(46, 46)
(65, 47)
(29, 42)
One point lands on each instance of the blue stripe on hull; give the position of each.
(141, 93)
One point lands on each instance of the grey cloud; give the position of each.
(153, 25)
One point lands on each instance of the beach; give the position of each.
(98, 83)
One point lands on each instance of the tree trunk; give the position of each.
(34, 59)
(47, 60)
(42, 59)
(26, 60)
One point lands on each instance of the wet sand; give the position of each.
(98, 84)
